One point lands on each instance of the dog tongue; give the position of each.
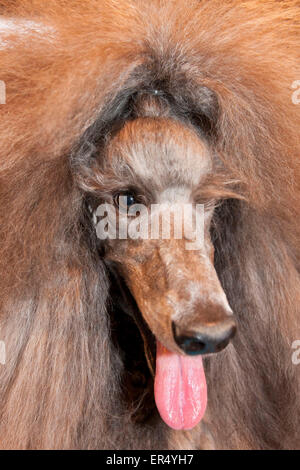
(180, 388)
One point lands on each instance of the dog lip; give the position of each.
(132, 310)
(149, 339)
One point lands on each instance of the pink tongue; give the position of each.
(180, 388)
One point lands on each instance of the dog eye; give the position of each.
(124, 201)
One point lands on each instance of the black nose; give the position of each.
(205, 339)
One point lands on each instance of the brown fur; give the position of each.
(226, 68)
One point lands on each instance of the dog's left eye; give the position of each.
(124, 201)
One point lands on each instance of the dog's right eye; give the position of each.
(123, 201)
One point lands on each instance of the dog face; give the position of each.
(157, 160)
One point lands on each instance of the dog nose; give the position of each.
(205, 339)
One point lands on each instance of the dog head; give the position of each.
(153, 179)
